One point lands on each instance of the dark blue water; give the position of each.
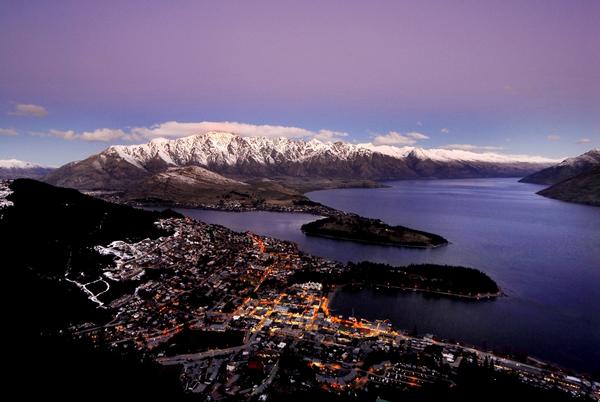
(544, 254)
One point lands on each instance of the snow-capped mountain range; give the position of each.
(14, 168)
(233, 156)
(449, 155)
(218, 148)
(229, 149)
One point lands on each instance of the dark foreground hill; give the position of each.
(46, 232)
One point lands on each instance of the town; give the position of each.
(227, 309)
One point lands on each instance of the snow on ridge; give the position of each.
(123, 153)
(223, 148)
(449, 155)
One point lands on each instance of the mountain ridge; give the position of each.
(242, 158)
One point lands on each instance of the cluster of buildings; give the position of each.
(229, 310)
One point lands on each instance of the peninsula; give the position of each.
(443, 280)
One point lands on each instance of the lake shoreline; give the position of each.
(485, 296)
(488, 221)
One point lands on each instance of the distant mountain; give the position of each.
(118, 167)
(567, 169)
(455, 164)
(453, 155)
(583, 188)
(574, 179)
(13, 169)
(248, 158)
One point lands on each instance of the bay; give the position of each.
(544, 254)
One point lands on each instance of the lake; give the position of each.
(544, 254)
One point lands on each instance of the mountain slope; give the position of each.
(13, 168)
(193, 184)
(246, 158)
(583, 189)
(567, 169)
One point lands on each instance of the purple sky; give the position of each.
(522, 75)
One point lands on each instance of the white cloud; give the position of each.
(28, 110)
(329, 136)
(178, 129)
(10, 132)
(471, 147)
(396, 138)
(174, 129)
(584, 141)
(553, 137)
(101, 134)
(417, 136)
(420, 124)
(445, 130)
